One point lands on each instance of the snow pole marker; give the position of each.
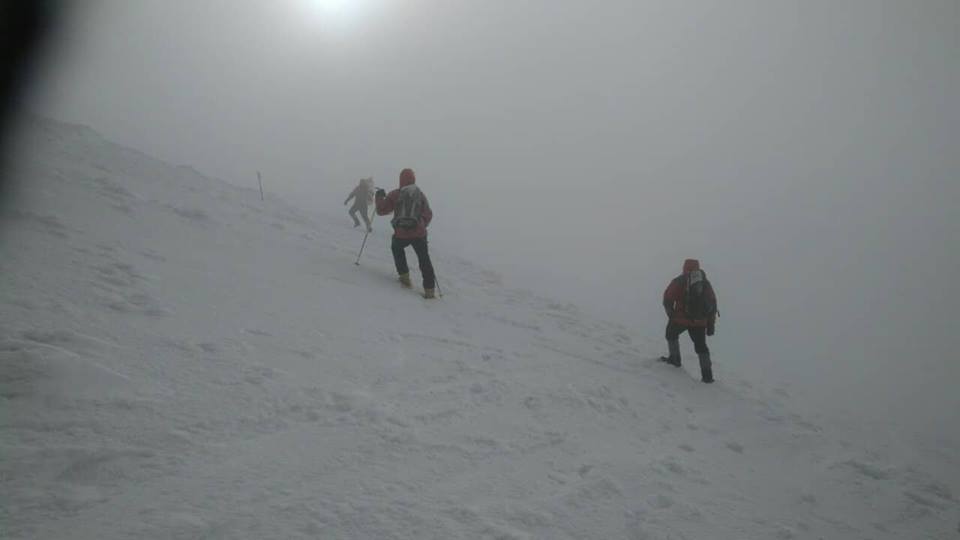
(260, 181)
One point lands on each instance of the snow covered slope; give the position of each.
(180, 360)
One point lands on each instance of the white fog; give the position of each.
(807, 153)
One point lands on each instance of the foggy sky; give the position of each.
(806, 152)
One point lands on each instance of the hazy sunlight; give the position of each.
(334, 13)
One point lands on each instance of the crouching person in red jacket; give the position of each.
(691, 307)
(411, 216)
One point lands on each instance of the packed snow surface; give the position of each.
(181, 360)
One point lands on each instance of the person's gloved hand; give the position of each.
(381, 193)
(711, 329)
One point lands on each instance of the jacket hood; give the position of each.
(407, 177)
(690, 265)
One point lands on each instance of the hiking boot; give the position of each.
(706, 367)
(675, 362)
(674, 358)
(405, 281)
(428, 293)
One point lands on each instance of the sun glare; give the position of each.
(334, 13)
(330, 8)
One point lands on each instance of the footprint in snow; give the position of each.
(257, 375)
(926, 501)
(105, 466)
(210, 348)
(660, 502)
(257, 332)
(194, 215)
(111, 189)
(533, 403)
(785, 533)
(119, 274)
(868, 470)
(152, 255)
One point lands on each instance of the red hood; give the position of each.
(690, 265)
(407, 177)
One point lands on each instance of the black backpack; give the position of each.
(698, 303)
(406, 212)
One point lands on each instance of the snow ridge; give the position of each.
(181, 360)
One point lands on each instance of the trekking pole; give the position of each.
(365, 235)
(436, 280)
(363, 245)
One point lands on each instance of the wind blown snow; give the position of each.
(181, 360)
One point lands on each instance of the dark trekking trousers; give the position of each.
(420, 247)
(698, 335)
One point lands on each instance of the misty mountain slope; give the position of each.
(180, 360)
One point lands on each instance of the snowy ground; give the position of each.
(180, 360)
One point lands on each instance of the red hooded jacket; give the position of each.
(385, 205)
(673, 298)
